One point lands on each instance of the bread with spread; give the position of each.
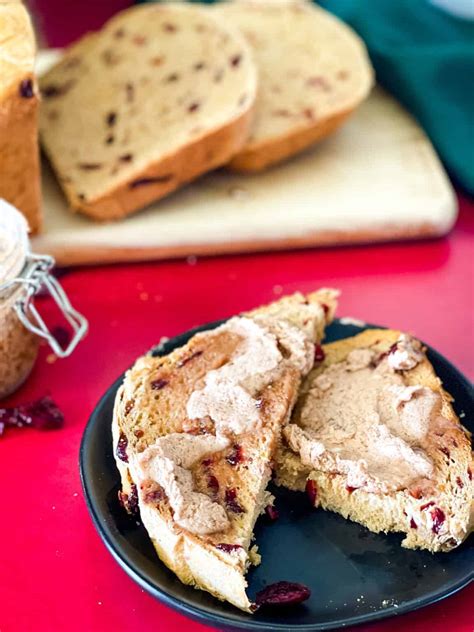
(162, 94)
(195, 433)
(374, 438)
(313, 72)
(19, 101)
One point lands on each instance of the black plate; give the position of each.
(355, 576)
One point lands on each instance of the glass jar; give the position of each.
(21, 325)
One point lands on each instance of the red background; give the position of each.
(55, 573)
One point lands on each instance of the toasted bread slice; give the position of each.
(161, 94)
(374, 438)
(195, 432)
(313, 72)
(19, 101)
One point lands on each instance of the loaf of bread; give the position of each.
(19, 159)
(379, 442)
(313, 72)
(162, 94)
(195, 432)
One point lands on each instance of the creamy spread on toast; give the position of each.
(228, 399)
(361, 419)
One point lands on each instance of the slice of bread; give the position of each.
(162, 94)
(19, 158)
(313, 72)
(406, 469)
(228, 483)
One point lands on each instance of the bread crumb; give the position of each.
(277, 289)
(144, 296)
(254, 556)
(51, 358)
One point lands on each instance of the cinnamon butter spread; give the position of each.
(167, 462)
(229, 396)
(360, 419)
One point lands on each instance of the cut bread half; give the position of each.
(195, 433)
(374, 437)
(162, 94)
(19, 101)
(313, 72)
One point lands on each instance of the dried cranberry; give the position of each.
(26, 89)
(282, 594)
(111, 118)
(158, 384)
(231, 501)
(121, 450)
(154, 495)
(228, 548)
(393, 348)
(154, 180)
(42, 414)
(272, 513)
(413, 524)
(62, 336)
(129, 501)
(350, 489)
(325, 308)
(126, 157)
(438, 517)
(207, 462)
(185, 361)
(128, 406)
(459, 482)
(319, 354)
(445, 451)
(213, 483)
(469, 473)
(139, 433)
(312, 491)
(236, 456)
(416, 493)
(235, 60)
(89, 166)
(193, 107)
(423, 507)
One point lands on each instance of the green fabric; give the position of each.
(425, 57)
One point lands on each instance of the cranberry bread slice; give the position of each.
(195, 432)
(374, 438)
(162, 94)
(313, 72)
(19, 156)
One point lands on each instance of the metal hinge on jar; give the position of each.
(36, 275)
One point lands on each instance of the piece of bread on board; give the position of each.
(152, 404)
(313, 72)
(162, 94)
(437, 518)
(19, 157)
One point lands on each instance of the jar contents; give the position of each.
(18, 346)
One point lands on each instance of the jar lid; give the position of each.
(14, 244)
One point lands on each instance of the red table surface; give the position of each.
(55, 572)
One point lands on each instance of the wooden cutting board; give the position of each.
(376, 179)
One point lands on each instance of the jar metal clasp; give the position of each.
(36, 275)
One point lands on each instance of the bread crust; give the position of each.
(393, 512)
(19, 102)
(256, 157)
